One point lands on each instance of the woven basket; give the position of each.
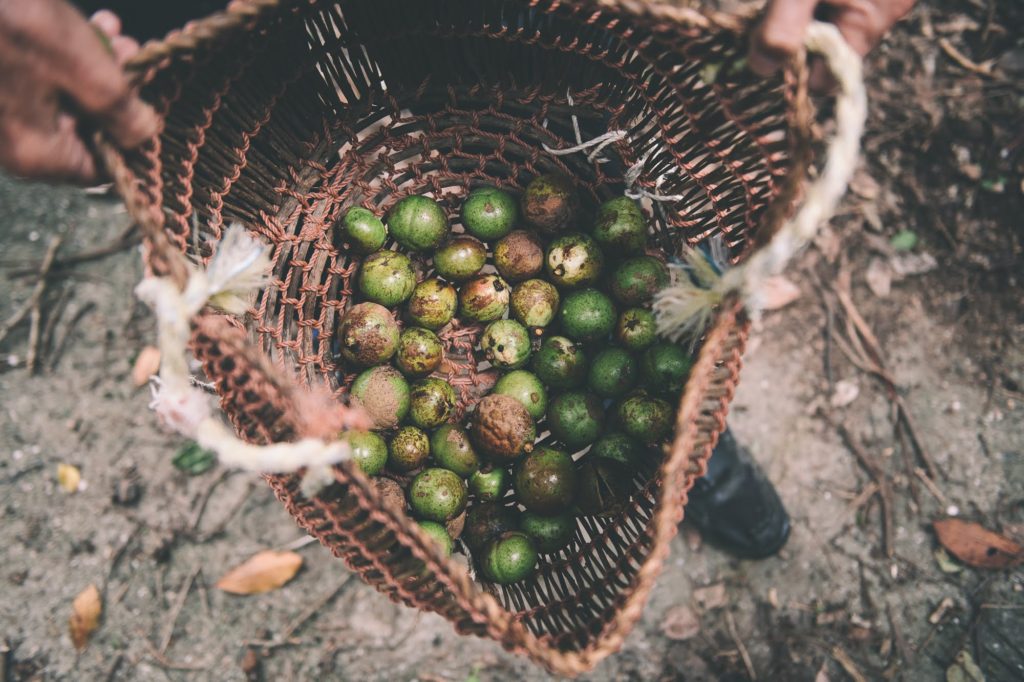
(282, 114)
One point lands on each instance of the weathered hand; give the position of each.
(55, 69)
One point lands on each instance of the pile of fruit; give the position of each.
(562, 315)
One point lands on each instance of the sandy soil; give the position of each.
(943, 160)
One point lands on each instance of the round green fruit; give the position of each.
(369, 451)
(637, 280)
(560, 363)
(587, 316)
(604, 486)
(432, 304)
(420, 352)
(618, 447)
(452, 450)
(363, 230)
(509, 559)
(431, 402)
(439, 534)
(573, 261)
(636, 329)
(484, 298)
(368, 334)
(620, 226)
(506, 344)
(437, 495)
(527, 389)
(551, 203)
(489, 484)
(408, 450)
(502, 428)
(576, 418)
(485, 522)
(647, 419)
(549, 533)
(518, 256)
(489, 213)
(384, 394)
(460, 258)
(386, 277)
(535, 303)
(613, 373)
(417, 223)
(545, 481)
(664, 368)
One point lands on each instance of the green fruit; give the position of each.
(484, 298)
(386, 277)
(518, 256)
(369, 451)
(560, 363)
(576, 418)
(527, 389)
(574, 260)
(432, 402)
(417, 223)
(489, 213)
(502, 428)
(485, 522)
(509, 559)
(384, 394)
(604, 486)
(489, 484)
(613, 373)
(664, 368)
(408, 450)
(545, 481)
(534, 303)
(420, 352)
(460, 258)
(647, 419)
(368, 334)
(636, 329)
(432, 304)
(437, 495)
(587, 316)
(549, 533)
(364, 231)
(438, 534)
(618, 447)
(638, 279)
(620, 226)
(506, 344)
(551, 203)
(452, 450)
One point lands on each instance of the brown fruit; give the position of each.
(519, 255)
(502, 428)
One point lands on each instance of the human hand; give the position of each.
(780, 34)
(57, 68)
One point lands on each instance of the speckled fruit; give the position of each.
(519, 255)
(509, 559)
(386, 277)
(438, 534)
(647, 419)
(551, 203)
(527, 389)
(502, 428)
(485, 522)
(619, 447)
(364, 232)
(369, 451)
(390, 492)
(432, 304)
(452, 450)
(384, 393)
(484, 298)
(368, 334)
(408, 450)
(490, 483)
(613, 373)
(664, 368)
(636, 329)
(420, 352)
(506, 344)
(535, 303)
(638, 279)
(587, 316)
(573, 261)
(545, 481)
(620, 227)
(549, 533)
(417, 223)
(460, 258)
(489, 213)
(576, 418)
(603, 486)
(437, 495)
(431, 402)
(560, 363)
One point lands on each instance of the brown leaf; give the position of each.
(262, 572)
(680, 623)
(85, 616)
(146, 365)
(975, 546)
(710, 597)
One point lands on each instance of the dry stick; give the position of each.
(929, 484)
(162, 661)
(876, 472)
(843, 659)
(744, 654)
(115, 559)
(204, 499)
(32, 303)
(285, 637)
(906, 652)
(965, 61)
(46, 341)
(125, 240)
(219, 527)
(179, 604)
(69, 328)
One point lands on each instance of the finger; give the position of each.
(780, 34)
(108, 22)
(50, 154)
(124, 48)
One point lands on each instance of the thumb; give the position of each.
(780, 34)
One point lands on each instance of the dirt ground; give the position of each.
(944, 160)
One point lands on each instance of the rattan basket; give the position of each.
(280, 114)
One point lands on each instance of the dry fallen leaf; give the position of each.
(864, 185)
(879, 277)
(964, 669)
(972, 544)
(778, 292)
(85, 616)
(710, 597)
(68, 477)
(845, 392)
(146, 365)
(262, 572)
(680, 623)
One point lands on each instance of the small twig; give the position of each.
(204, 499)
(287, 635)
(876, 472)
(112, 671)
(32, 303)
(179, 604)
(58, 347)
(46, 341)
(843, 659)
(984, 69)
(905, 651)
(162, 661)
(298, 543)
(744, 654)
(118, 554)
(219, 527)
(125, 240)
(27, 469)
(930, 485)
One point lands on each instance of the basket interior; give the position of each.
(323, 105)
